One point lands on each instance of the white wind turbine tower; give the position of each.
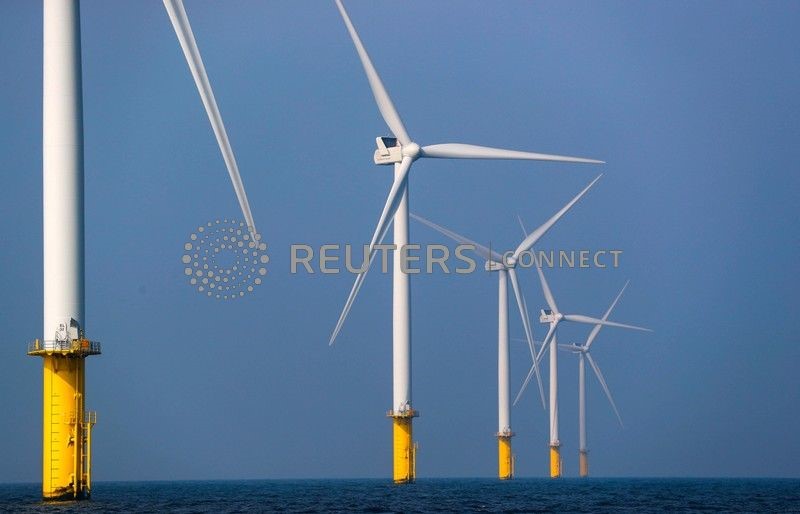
(401, 152)
(584, 355)
(506, 268)
(554, 317)
(67, 428)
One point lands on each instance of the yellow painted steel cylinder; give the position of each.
(555, 462)
(583, 464)
(404, 450)
(63, 401)
(505, 458)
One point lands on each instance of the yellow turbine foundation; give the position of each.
(63, 403)
(555, 462)
(405, 450)
(583, 464)
(66, 425)
(505, 456)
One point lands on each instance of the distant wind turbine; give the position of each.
(584, 355)
(506, 268)
(401, 152)
(554, 317)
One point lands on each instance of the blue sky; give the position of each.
(693, 106)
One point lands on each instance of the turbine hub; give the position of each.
(411, 150)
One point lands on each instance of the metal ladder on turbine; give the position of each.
(86, 451)
(56, 418)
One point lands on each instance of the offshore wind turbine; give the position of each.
(554, 317)
(506, 269)
(582, 350)
(67, 425)
(401, 152)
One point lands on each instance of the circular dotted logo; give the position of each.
(223, 261)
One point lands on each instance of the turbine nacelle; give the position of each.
(494, 266)
(574, 348)
(548, 316)
(390, 151)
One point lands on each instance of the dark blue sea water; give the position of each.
(433, 495)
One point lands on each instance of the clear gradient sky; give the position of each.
(695, 107)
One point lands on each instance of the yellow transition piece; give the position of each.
(505, 457)
(584, 464)
(555, 462)
(66, 426)
(405, 469)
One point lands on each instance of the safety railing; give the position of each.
(81, 346)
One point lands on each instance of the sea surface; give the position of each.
(431, 495)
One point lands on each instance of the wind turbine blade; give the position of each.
(602, 381)
(348, 304)
(522, 226)
(596, 328)
(482, 251)
(580, 318)
(525, 384)
(548, 294)
(389, 208)
(545, 343)
(534, 236)
(180, 22)
(526, 322)
(523, 311)
(385, 104)
(521, 340)
(463, 151)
